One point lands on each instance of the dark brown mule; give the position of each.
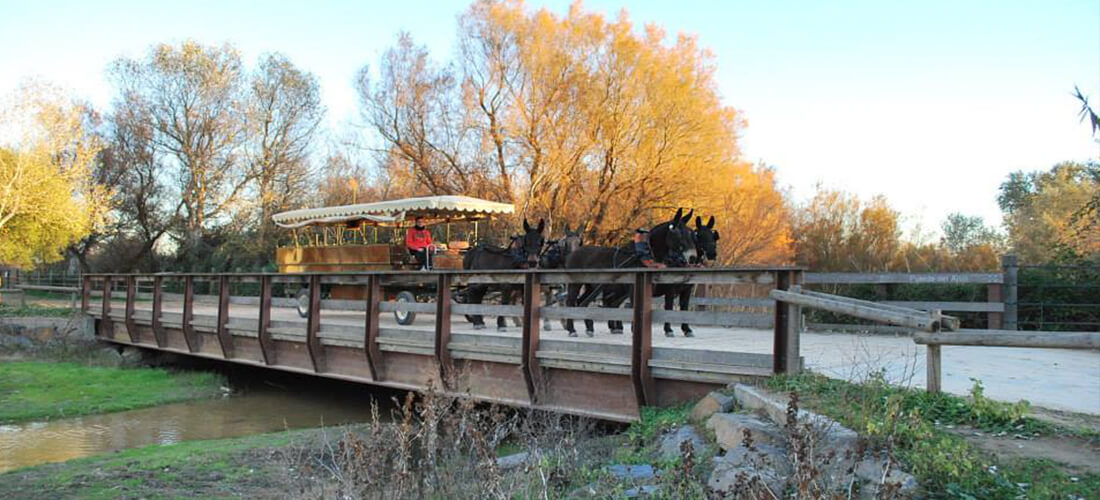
(522, 253)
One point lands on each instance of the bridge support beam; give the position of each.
(443, 332)
(189, 336)
(529, 363)
(225, 340)
(373, 353)
(313, 325)
(263, 333)
(158, 305)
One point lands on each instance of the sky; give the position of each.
(929, 103)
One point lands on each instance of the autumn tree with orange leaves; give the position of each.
(577, 119)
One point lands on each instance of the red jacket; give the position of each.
(418, 239)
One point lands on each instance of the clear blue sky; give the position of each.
(931, 103)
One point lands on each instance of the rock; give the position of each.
(737, 481)
(634, 472)
(512, 461)
(830, 434)
(110, 355)
(729, 430)
(644, 491)
(870, 470)
(755, 398)
(761, 456)
(132, 356)
(15, 343)
(670, 443)
(712, 403)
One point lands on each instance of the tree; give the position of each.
(284, 114)
(48, 196)
(961, 232)
(191, 95)
(836, 231)
(1040, 207)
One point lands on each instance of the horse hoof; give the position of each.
(590, 333)
(616, 332)
(572, 334)
(479, 327)
(669, 334)
(502, 328)
(689, 334)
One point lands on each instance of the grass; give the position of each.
(10, 311)
(37, 390)
(204, 469)
(911, 422)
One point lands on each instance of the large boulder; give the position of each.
(729, 430)
(671, 443)
(875, 475)
(729, 480)
(760, 456)
(512, 461)
(712, 403)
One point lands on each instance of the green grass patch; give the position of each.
(912, 423)
(36, 390)
(11, 311)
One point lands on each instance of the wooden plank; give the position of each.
(263, 325)
(1011, 338)
(759, 278)
(225, 340)
(488, 309)
(1011, 290)
(641, 352)
(902, 278)
(371, 330)
(593, 313)
(313, 325)
(913, 319)
(529, 362)
(158, 304)
(782, 324)
(131, 326)
(995, 319)
(703, 318)
(443, 331)
(193, 340)
(416, 307)
(989, 307)
(733, 302)
(932, 383)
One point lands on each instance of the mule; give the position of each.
(557, 252)
(705, 239)
(522, 253)
(672, 243)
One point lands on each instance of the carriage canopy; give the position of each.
(395, 212)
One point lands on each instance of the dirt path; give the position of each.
(1078, 455)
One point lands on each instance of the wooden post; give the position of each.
(131, 325)
(313, 325)
(788, 319)
(1011, 280)
(267, 347)
(108, 326)
(225, 339)
(371, 332)
(443, 331)
(194, 342)
(529, 364)
(85, 293)
(994, 320)
(158, 304)
(933, 383)
(641, 346)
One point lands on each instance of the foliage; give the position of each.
(575, 118)
(33, 390)
(837, 231)
(1046, 212)
(911, 424)
(48, 197)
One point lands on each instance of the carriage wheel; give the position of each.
(302, 300)
(404, 317)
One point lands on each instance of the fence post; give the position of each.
(933, 368)
(371, 332)
(267, 347)
(85, 294)
(1011, 281)
(788, 326)
(225, 339)
(994, 320)
(108, 326)
(642, 343)
(131, 294)
(532, 301)
(193, 341)
(443, 331)
(158, 305)
(313, 325)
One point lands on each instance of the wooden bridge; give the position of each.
(242, 318)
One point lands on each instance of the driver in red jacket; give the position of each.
(419, 242)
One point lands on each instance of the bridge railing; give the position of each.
(232, 316)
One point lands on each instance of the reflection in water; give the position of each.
(252, 413)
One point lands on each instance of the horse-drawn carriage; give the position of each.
(370, 237)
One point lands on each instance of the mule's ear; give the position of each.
(715, 235)
(542, 225)
(567, 231)
(688, 217)
(679, 214)
(698, 222)
(710, 224)
(526, 226)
